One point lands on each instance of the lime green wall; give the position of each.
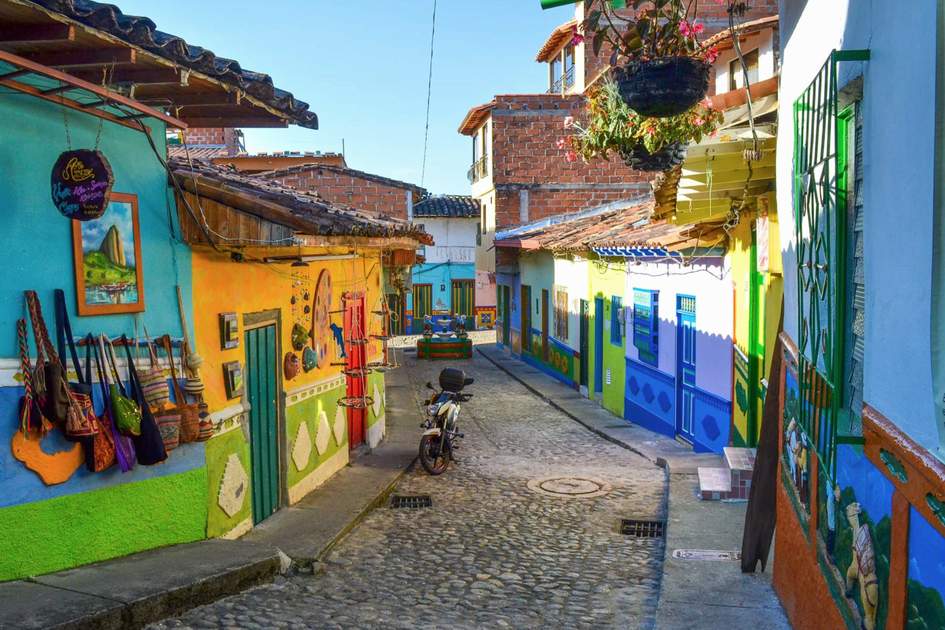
(605, 280)
(307, 411)
(375, 378)
(100, 524)
(219, 450)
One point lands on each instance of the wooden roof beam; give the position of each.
(37, 33)
(94, 58)
(235, 121)
(135, 76)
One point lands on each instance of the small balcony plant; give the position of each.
(660, 66)
(644, 143)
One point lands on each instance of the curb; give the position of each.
(659, 461)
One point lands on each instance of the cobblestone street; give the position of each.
(491, 552)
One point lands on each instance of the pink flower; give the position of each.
(576, 38)
(698, 121)
(706, 102)
(711, 54)
(685, 29)
(568, 122)
(697, 28)
(570, 156)
(650, 131)
(561, 143)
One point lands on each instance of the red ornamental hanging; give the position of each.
(81, 183)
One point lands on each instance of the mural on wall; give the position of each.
(797, 445)
(925, 607)
(107, 252)
(560, 357)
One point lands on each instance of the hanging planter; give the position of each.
(663, 87)
(664, 159)
(645, 144)
(660, 67)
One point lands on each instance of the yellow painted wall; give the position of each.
(221, 285)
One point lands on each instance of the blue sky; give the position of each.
(362, 67)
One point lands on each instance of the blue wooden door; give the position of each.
(261, 370)
(685, 365)
(598, 345)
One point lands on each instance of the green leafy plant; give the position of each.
(658, 28)
(610, 126)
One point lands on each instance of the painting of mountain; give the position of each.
(107, 253)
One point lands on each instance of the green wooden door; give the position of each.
(462, 298)
(261, 392)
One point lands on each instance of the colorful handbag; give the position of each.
(189, 412)
(124, 447)
(125, 413)
(154, 382)
(149, 446)
(32, 418)
(80, 417)
(49, 375)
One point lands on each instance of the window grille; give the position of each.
(646, 323)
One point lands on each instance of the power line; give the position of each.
(426, 129)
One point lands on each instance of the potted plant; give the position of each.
(663, 69)
(646, 144)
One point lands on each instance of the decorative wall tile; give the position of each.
(233, 486)
(341, 421)
(302, 450)
(322, 433)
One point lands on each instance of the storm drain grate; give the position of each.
(642, 529)
(411, 501)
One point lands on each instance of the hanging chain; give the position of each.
(65, 123)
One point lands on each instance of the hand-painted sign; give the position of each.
(81, 184)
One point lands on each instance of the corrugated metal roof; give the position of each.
(447, 206)
(301, 210)
(142, 32)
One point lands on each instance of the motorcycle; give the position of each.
(441, 429)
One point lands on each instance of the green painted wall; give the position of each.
(307, 411)
(605, 280)
(76, 529)
(219, 450)
(376, 378)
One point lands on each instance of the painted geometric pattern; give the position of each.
(338, 428)
(322, 433)
(302, 450)
(376, 406)
(233, 486)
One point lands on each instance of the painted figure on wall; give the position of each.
(832, 502)
(862, 569)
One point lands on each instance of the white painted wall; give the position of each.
(764, 42)
(711, 284)
(898, 108)
(570, 276)
(454, 239)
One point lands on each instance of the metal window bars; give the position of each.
(820, 235)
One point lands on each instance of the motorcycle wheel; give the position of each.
(433, 460)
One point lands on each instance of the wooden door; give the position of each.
(526, 318)
(261, 384)
(685, 366)
(598, 345)
(585, 342)
(462, 296)
(544, 325)
(506, 296)
(355, 333)
(422, 304)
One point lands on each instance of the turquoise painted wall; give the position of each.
(37, 254)
(441, 276)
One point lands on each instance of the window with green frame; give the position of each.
(824, 155)
(616, 312)
(646, 325)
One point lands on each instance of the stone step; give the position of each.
(714, 483)
(741, 463)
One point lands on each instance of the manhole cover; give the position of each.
(569, 487)
(706, 554)
(642, 529)
(411, 501)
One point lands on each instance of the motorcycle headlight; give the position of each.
(432, 409)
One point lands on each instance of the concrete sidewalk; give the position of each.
(716, 593)
(135, 590)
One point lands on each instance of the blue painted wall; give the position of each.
(37, 254)
(650, 398)
(441, 276)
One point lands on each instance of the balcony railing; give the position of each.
(478, 170)
(563, 83)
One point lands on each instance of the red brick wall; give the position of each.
(525, 131)
(346, 189)
(213, 135)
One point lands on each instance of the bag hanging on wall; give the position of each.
(149, 446)
(32, 418)
(80, 418)
(123, 446)
(100, 448)
(49, 376)
(154, 381)
(206, 424)
(126, 415)
(189, 412)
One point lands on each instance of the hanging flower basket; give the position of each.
(664, 159)
(664, 87)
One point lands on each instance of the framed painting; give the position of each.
(107, 252)
(233, 379)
